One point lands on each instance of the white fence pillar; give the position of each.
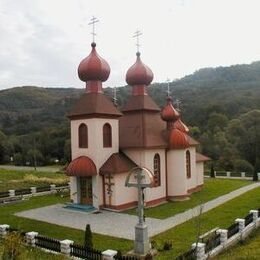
(243, 174)
(53, 187)
(223, 235)
(200, 250)
(258, 175)
(255, 215)
(109, 254)
(65, 246)
(241, 222)
(11, 193)
(228, 174)
(3, 230)
(33, 190)
(30, 238)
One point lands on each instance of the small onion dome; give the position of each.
(82, 166)
(139, 73)
(93, 67)
(169, 113)
(181, 126)
(178, 140)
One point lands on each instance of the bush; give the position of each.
(243, 166)
(12, 246)
(167, 245)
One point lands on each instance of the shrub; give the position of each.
(88, 237)
(167, 245)
(12, 246)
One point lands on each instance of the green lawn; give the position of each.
(212, 189)
(223, 216)
(11, 179)
(248, 249)
(100, 242)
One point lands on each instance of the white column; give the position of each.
(30, 238)
(65, 246)
(228, 174)
(200, 250)
(53, 187)
(241, 222)
(3, 230)
(109, 254)
(33, 190)
(258, 175)
(11, 193)
(255, 215)
(223, 235)
(243, 174)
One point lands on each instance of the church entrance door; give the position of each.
(86, 191)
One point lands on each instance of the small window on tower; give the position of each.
(83, 136)
(188, 167)
(107, 135)
(157, 170)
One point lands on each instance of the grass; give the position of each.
(248, 249)
(7, 216)
(11, 179)
(223, 216)
(212, 189)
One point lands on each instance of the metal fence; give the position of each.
(43, 188)
(85, 252)
(248, 219)
(120, 257)
(232, 230)
(22, 192)
(4, 194)
(48, 243)
(212, 242)
(189, 255)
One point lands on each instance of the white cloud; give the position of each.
(43, 41)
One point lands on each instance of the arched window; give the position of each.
(157, 170)
(107, 135)
(83, 136)
(188, 168)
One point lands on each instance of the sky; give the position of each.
(43, 41)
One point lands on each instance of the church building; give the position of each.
(107, 143)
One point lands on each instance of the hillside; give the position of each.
(210, 99)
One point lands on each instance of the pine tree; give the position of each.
(88, 237)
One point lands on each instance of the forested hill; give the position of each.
(210, 98)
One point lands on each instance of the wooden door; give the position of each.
(86, 191)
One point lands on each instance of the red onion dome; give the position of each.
(169, 113)
(93, 67)
(181, 126)
(139, 73)
(178, 140)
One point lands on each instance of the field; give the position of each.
(16, 179)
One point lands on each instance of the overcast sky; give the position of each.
(43, 41)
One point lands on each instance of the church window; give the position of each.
(83, 136)
(157, 170)
(107, 135)
(188, 166)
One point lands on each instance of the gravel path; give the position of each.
(119, 224)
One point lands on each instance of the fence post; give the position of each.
(109, 254)
(241, 222)
(30, 238)
(65, 246)
(228, 174)
(3, 230)
(53, 187)
(255, 215)
(200, 250)
(258, 175)
(33, 190)
(11, 193)
(223, 235)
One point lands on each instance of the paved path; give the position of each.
(119, 224)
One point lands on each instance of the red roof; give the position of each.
(178, 140)
(139, 73)
(202, 158)
(117, 163)
(169, 113)
(93, 67)
(192, 142)
(181, 126)
(82, 166)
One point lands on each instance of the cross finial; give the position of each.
(136, 35)
(168, 87)
(92, 22)
(115, 96)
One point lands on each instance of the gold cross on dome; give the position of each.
(92, 22)
(136, 35)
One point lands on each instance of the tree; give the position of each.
(88, 237)
(212, 172)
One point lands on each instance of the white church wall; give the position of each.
(73, 189)
(200, 172)
(176, 165)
